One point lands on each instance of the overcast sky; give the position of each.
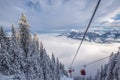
(58, 15)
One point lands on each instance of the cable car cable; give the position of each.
(96, 7)
(96, 61)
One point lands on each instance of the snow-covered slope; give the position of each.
(3, 77)
(65, 78)
(95, 35)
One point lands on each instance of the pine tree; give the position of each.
(33, 70)
(53, 67)
(13, 32)
(116, 70)
(58, 69)
(24, 33)
(2, 33)
(4, 62)
(2, 39)
(36, 40)
(62, 69)
(112, 63)
(16, 53)
(45, 63)
(53, 58)
(4, 56)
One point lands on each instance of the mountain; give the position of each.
(98, 36)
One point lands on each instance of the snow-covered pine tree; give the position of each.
(53, 67)
(58, 69)
(53, 58)
(103, 71)
(17, 56)
(114, 67)
(111, 65)
(116, 70)
(4, 56)
(33, 70)
(36, 40)
(2, 38)
(2, 33)
(62, 69)
(24, 33)
(45, 63)
(4, 62)
(13, 35)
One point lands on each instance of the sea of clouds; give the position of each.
(65, 48)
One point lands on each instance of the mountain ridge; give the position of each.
(98, 36)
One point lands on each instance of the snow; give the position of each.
(3, 77)
(65, 78)
(74, 30)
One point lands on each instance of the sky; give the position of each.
(59, 15)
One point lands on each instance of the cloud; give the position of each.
(65, 48)
(108, 12)
(111, 20)
(58, 14)
(33, 5)
(117, 17)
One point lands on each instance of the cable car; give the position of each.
(71, 70)
(83, 72)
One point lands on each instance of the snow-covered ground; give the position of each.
(3, 77)
(65, 48)
(65, 78)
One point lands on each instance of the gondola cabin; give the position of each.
(82, 72)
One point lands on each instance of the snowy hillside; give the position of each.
(95, 36)
(3, 77)
(65, 78)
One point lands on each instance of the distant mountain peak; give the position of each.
(98, 36)
(74, 30)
